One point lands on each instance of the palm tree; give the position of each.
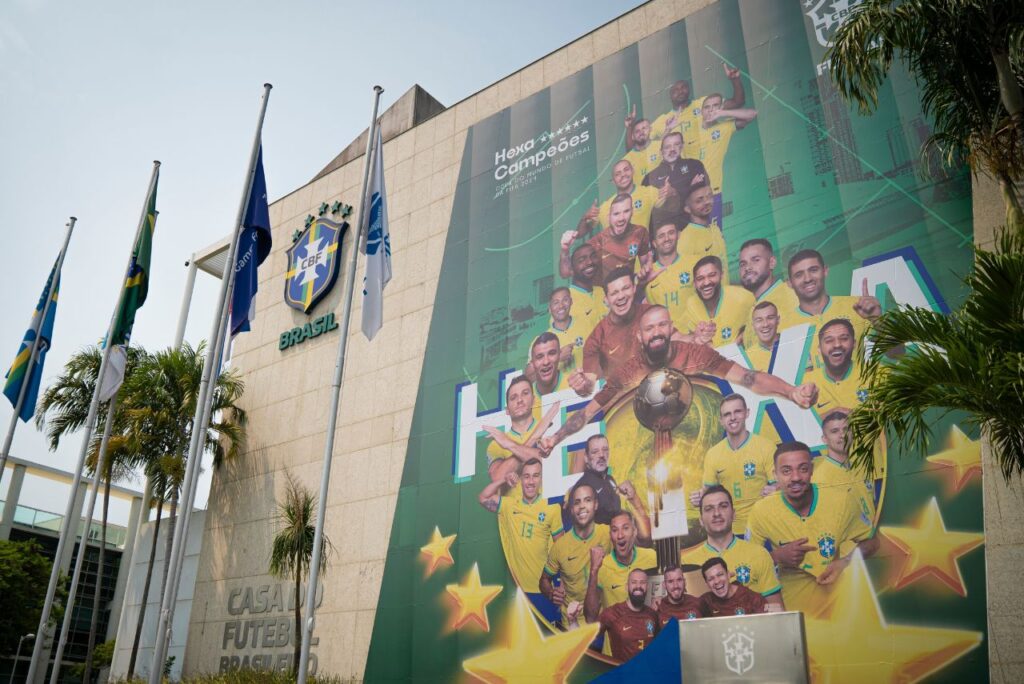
(160, 406)
(968, 58)
(292, 549)
(67, 402)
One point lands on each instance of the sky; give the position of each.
(93, 92)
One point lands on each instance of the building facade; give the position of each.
(423, 581)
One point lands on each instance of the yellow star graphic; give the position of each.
(930, 549)
(963, 457)
(855, 644)
(471, 599)
(524, 654)
(437, 551)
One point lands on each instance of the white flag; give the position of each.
(113, 374)
(378, 246)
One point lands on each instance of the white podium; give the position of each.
(756, 649)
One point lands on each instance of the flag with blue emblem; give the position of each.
(378, 247)
(21, 370)
(254, 244)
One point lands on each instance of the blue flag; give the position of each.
(254, 244)
(20, 371)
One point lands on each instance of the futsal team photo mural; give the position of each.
(644, 349)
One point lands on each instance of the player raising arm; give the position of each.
(658, 351)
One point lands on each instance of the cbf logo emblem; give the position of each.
(313, 264)
(827, 545)
(749, 469)
(634, 249)
(684, 278)
(739, 650)
(826, 16)
(743, 574)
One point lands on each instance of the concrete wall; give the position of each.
(133, 599)
(1004, 506)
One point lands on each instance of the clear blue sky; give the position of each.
(94, 91)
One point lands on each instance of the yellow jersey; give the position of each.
(687, 120)
(834, 525)
(496, 452)
(569, 558)
(576, 333)
(782, 296)
(701, 241)
(644, 199)
(729, 316)
(587, 306)
(847, 392)
(710, 145)
(830, 473)
(744, 471)
(612, 575)
(527, 530)
(673, 285)
(836, 307)
(758, 356)
(749, 565)
(644, 161)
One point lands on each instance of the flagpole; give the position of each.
(199, 425)
(339, 371)
(69, 524)
(90, 507)
(23, 391)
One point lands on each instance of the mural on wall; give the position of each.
(634, 396)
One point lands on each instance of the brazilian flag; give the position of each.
(136, 282)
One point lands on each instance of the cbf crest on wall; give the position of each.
(313, 263)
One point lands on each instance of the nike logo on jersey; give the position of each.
(626, 628)
(616, 586)
(823, 404)
(572, 558)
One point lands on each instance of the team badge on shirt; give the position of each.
(638, 204)
(684, 278)
(715, 135)
(740, 611)
(862, 395)
(541, 516)
(578, 341)
(691, 615)
(634, 249)
(743, 574)
(726, 332)
(749, 469)
(827, 545)
(650, 628)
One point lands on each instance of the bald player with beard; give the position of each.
(630, 625)
(659, 350)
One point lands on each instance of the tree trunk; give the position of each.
(1014, 212)
(298, 615)
(1009, 90)
(96, 599)
(145, 591)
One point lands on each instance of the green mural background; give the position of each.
(807, 173)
